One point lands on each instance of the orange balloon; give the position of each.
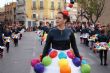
(66, 69)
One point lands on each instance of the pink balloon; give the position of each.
(34, 62)
(70, 54)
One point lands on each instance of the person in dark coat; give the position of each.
(103, 38)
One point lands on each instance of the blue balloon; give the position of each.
(39, 68)
(62, 55)
(84, 62)
(77, 62)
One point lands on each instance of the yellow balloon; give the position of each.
(63, 62)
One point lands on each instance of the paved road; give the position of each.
(18, 59)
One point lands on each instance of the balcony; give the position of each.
(41, 7)
(20, 11)
(52, 8)
(21, 3)
(20, 17)
(34, 8)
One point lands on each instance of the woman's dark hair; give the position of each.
(65, 16)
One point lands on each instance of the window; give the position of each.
(52, 5)
(29, 23)
(52, 14)
(41, 4)
(59, 5)
(34, 23)
(34, 15)
(34, 4)
(41, 14)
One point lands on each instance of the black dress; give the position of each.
(60, 40)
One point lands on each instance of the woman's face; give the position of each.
(59, 19)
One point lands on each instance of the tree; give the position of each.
(91, 9)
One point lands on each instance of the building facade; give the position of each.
(10, 13)
(34, 11)
(20, 11)
(2, 15)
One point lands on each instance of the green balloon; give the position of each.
(109, 44)
(46, 61)
(85, 68)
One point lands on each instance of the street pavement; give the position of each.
(18, 59)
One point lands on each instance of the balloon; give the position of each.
(85, 68)
(83, 62)
(53, 54)
(65, 69)
(34, 62)
(68, 8)
(77, 61)
(46, 61)
(71, 51)
(63, 62)
(39, 68)
(62, 55)
(70, 5)
(109, 44)
(70, 54)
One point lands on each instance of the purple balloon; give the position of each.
(39, 68)
(77, 62)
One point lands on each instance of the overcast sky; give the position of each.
(3, 2)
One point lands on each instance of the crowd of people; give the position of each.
(99, 32)
(9, 32)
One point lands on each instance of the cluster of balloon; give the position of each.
(70, 5)
(76, 61)
(53, 54)
(64, 66)
(46, 61)
(70, 54)
(39, 68)
(85, 68)
(34, 62)
(62, 55)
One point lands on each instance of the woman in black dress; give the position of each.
(60, 38)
